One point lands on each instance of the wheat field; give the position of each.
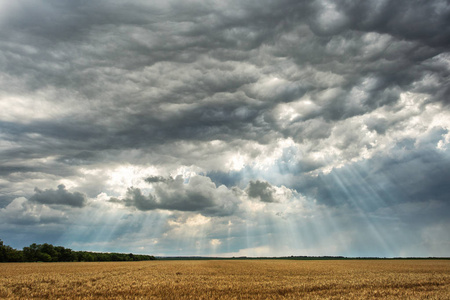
(228, 279)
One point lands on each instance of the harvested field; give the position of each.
(228, 279)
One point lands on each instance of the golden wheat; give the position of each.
(230, 279)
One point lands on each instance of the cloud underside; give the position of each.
(59, 197)
(199, 194)
(245, 116)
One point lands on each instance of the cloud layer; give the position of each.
(237, 127)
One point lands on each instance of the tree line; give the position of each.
(49, 253)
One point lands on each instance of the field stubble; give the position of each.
(228, 279)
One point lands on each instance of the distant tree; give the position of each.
(115, 257)
(65, 254)
(49, 253)
(15, 255)
(31, 253)
(45, 257)
(3, 250)
(9, 254)
(49, 250)
(88, 256)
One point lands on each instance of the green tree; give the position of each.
(31, 253)
(3, 256)
(65, 254)
(9, 254)
(45, 257)
(49, 253)
(49, 250)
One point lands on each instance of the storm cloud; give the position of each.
(261, 190)
(59, 197)
(200, 194)
(269, 118)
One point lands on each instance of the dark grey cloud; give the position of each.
(153, 179)
(377, 55)
(412, 20)
(394, 66)
(58, 197)
(199, 194)
(261, 190)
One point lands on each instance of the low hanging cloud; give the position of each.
(261, 190)
(60, 196)
(199, 194)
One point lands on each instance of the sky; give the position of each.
(226, 128)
